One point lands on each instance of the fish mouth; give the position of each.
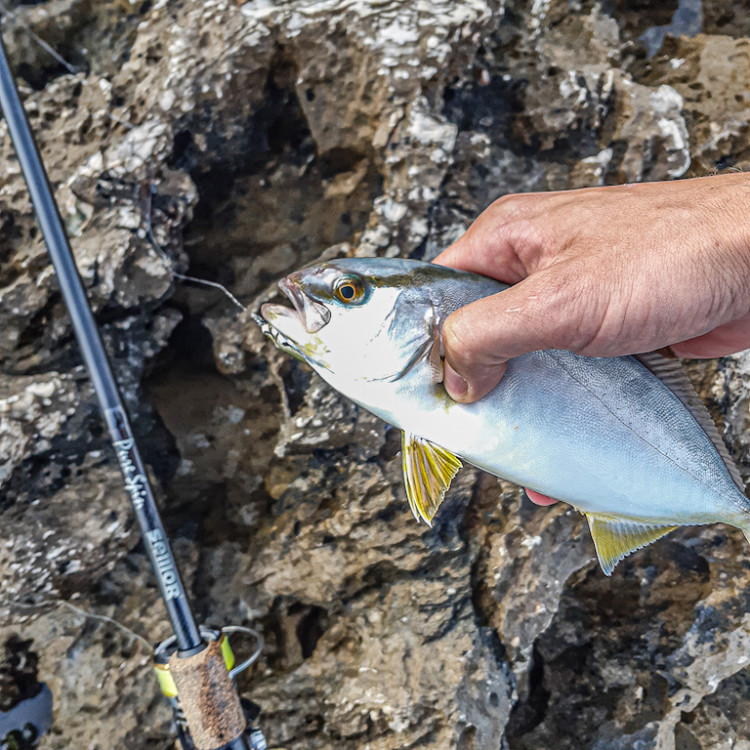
(306, 311)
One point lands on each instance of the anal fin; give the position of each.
(428, 472)
(616, 538)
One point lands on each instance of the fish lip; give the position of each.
(312, 314)
(294, 294)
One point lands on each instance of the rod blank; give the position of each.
(95, 358)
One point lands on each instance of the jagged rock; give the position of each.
(246, 139)
(709, 73)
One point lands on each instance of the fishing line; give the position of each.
(165, 257)
(46, 47)
(84, 613)
(147, 213)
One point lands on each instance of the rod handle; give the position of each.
(208, 697)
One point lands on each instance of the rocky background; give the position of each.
(246, 140)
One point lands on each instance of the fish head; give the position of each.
(356, 319)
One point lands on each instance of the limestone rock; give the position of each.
(235, 142)
(709, 73)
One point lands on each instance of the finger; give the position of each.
(725, 339)
(483, 380)
(539, 499)
(474, 254)
(480, 338)
(502, 243)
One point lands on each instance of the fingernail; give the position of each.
(456, 386)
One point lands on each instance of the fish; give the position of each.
(624, 440)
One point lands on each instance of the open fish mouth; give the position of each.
(306, 311)
(292, 329)
(275, 323)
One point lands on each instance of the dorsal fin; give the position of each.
(670, 371)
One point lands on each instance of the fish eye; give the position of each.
(350, 290)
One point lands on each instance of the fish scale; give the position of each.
(624, 440)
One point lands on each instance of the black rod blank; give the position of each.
(136, 482)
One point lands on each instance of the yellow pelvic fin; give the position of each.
(428, 472)
(617, 538)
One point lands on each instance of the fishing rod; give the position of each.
(195, 667)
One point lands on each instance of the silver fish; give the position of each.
(624, 440)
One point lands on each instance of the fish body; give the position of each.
(624, 440)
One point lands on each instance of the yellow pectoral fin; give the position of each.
(428, 472)
(617, 538)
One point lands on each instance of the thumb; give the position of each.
(480, 338)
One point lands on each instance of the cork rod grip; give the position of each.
(210, 702)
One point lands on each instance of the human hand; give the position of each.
(603, 272)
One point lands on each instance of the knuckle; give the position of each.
(512, 206)
(567, 310)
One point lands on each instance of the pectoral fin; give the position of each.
(428, 472)
(617, 538)
(436, 361)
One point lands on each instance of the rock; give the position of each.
(709, 74)
(653, 127)
(235, 142)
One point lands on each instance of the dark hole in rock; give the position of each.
(392, 446)
(35, 328)
(529, 713)
(729, 17)
(18, 672)
(467, 740)
(267, 200)
(387, 514)
(39, 77)
(485, 108)
(637, 16)
(310, 628)
(379, 574)
(724, 162)
(338, 160)
(313, 724)
(191, 344)
(181, 145)
(296, 380)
